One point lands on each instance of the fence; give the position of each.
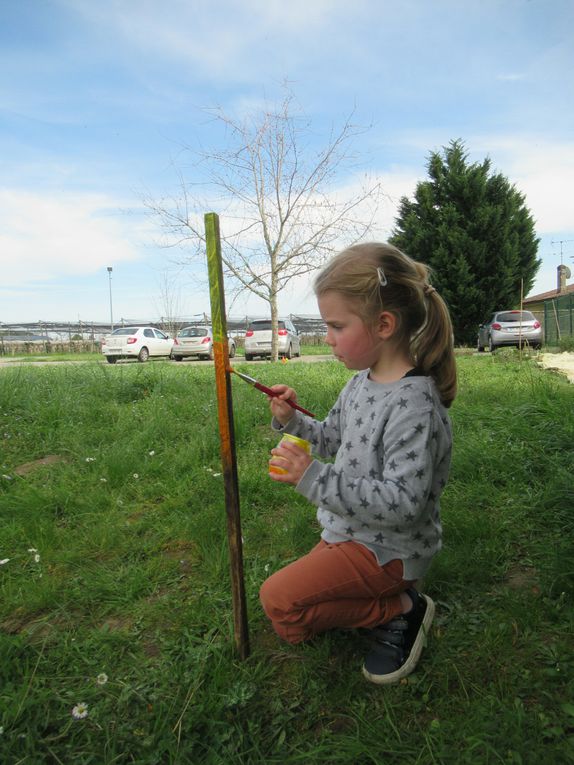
(82, 337)
(557, 318)
(47, 347)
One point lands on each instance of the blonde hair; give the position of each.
(376, 277)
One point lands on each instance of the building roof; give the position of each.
(549, 295)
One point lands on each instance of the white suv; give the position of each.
(258, 339)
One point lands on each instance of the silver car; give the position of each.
(517, 328)
(196, 341)
(258, 339)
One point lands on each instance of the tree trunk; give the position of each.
(274, 328)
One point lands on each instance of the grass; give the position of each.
(118, 564)
(31, 357)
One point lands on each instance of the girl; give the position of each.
(390, 437)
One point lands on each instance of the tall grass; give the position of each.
(118, 566)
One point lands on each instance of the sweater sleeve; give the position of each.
(325, 436)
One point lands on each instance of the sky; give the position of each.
(102, 104)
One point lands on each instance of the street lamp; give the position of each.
(110, 269)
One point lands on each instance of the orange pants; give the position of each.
(335, 585)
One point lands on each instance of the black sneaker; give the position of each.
(397, 645)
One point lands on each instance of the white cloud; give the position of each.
(224, 40)
(43, 237)
(543, 170)
(539, 167)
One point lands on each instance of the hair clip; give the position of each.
(382, 277)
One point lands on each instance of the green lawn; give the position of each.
(114, 584)
(29, 358)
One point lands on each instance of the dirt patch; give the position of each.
(21, 621)
(117, 624)
(523, 578)
(151, 650)
(558, 362)
(28, 467)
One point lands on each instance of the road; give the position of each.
(21, 361)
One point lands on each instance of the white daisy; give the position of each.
(80, 711)
(102, 678)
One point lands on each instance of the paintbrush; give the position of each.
(268, 391)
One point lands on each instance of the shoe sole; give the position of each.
(416, 650)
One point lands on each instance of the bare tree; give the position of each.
(170, 301)
(282, 213)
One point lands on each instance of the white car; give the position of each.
(258, 339)
(196, 341)
(136, 342)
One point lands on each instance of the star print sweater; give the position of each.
(391, 444)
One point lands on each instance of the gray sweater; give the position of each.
(392, 447)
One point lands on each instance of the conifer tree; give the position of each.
(472, 227)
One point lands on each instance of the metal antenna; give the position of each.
(561, 242)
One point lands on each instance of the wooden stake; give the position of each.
(520, 325)
(226, 430)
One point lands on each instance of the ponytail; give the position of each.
(432, 347)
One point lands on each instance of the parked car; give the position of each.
(258, 339)
(197, 341)
(510, 328)
(136, 342)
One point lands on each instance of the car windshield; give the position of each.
(259, 326)
(515, 316)
(193, 332)
(125, 331)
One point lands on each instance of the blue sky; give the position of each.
(98, 98)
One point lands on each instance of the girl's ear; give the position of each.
(387, 325)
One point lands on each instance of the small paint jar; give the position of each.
(288, 438)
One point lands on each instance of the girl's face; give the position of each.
(352, 341)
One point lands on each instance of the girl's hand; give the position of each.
(279, 408)
(293, 460)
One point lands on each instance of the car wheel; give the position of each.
(479, 347)
(176, 358)
(248, 357)
(143, 355)
(231, 351)
(491, 345)
(289, 354)
(210, 354)
(111, 359)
